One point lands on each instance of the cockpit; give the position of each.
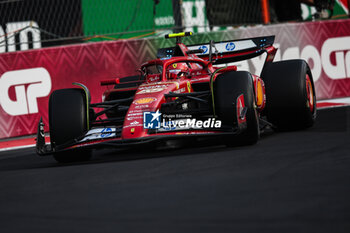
(173, 71)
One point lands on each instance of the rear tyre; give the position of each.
(290, 95)
(228, 87)
(68, 120)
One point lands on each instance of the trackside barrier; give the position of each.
(27, 78)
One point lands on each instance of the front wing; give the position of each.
(88, 141)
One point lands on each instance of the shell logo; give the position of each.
(146, 100)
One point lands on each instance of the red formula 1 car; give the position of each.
(184, 93)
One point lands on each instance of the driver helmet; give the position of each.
(175, 68)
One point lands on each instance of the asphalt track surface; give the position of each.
(288, 182)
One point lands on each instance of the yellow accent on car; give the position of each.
(189, 86)
(180, 34)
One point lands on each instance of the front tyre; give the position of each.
(68, 120)
(234, 91)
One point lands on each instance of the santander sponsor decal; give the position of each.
(29, 85)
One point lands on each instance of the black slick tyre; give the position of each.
(228, 87)
(68, 120)
(290, 95)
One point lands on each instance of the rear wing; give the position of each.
(224, 51)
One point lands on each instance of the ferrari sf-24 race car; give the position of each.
(187, 92)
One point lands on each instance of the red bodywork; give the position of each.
(149, 95)
(188, 74)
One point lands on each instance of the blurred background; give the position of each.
(26, 24)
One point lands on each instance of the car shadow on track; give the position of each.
(27, 159)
